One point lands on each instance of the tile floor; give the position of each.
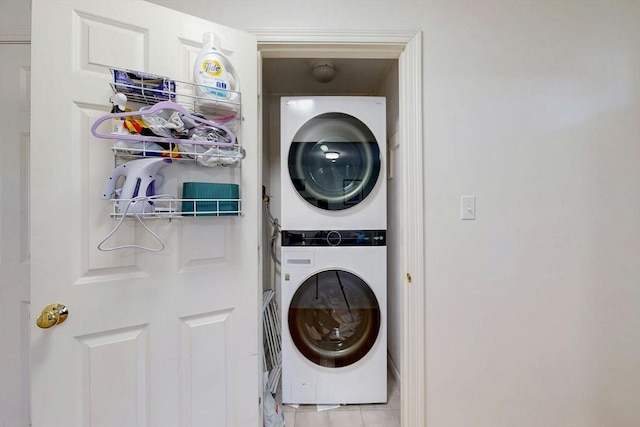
(372, 415)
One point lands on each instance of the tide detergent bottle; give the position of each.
(216, 82)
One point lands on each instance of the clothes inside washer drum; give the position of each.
(334, 318)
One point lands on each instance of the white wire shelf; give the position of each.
(148, 89)
(167, 100)
(181, 150)
(169, 208)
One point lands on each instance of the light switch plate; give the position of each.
(468, 207)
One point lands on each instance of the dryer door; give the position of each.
(334, 318)
(334, 161)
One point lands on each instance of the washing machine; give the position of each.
(333, 168)
(333, 316)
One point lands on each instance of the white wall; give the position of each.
(395, 275)
(533, 310)
(272, 145)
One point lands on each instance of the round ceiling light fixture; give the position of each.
(323, 71)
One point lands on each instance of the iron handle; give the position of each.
(52, 315)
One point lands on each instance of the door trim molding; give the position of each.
(315, 43)
(406, 46)
(324, 36)
(14, 36)
(414, 379)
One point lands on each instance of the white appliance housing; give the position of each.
(333, 168)
(364, 378)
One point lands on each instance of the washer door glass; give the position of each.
(334, 318)
(334, 161)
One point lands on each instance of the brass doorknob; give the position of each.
(52, 315)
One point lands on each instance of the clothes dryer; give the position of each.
(333, 308)
(333, 169)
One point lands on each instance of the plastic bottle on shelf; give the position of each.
(216, 83)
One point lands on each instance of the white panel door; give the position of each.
(14, 235)
(152, 339)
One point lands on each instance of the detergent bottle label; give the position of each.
(216, 80)
(213, 77)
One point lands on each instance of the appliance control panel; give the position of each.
(334, 238)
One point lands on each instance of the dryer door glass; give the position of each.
(334, 161)
(334, 318)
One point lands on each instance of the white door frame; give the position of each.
(406, 46)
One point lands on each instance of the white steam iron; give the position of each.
(139, 184)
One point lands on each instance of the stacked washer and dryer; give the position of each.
(334, 255)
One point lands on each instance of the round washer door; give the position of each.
(334, 318)
(334, 161)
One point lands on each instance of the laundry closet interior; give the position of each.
(341, 79)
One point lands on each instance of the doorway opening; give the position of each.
(351, 77)
(389, 67)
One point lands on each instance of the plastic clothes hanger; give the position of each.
(141, 199)
(164, 105)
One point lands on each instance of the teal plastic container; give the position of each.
(210, 199)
